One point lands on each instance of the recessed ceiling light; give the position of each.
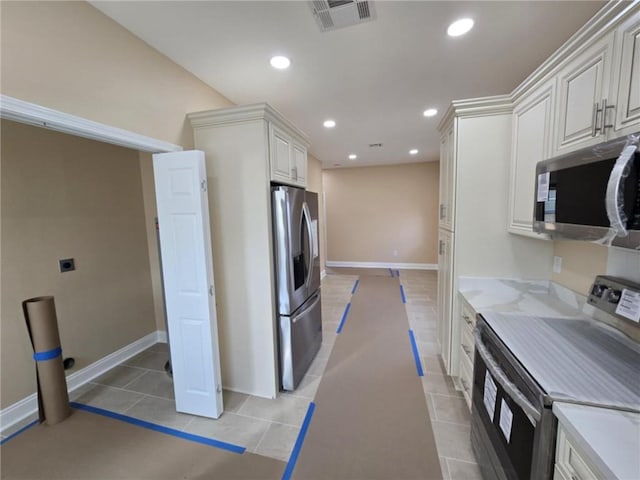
(329, 123)
(280, 62)
(430, 112)
(353, 156)
(460, 27)
(413, 152)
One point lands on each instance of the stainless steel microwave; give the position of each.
(592, 194)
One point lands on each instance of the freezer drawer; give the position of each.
(300, 340)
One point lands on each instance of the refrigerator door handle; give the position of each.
(306, 310)
(307, 215)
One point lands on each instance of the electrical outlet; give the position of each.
(557, 264)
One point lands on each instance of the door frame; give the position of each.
(32, 114)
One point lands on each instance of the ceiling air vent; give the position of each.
(333, 14)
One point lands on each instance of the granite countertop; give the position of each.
(525, 297)
(609, 438)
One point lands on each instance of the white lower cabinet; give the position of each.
(467, 323)
(570, 464)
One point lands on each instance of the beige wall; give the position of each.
(372, 211)
(581, 262)
(63, 196)
(70, 57)
(314, 184)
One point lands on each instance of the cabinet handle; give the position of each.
(467, 350)
(605, 107)
(466, 387)
(594, 123)
(441, 247)
(467, 319)
(573, 477)
(442, 208)
(294, 173)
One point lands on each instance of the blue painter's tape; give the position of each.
(159, 428)
(299, 441)
(48, 355)
(344, 318)
(404, 299)
(13, 435)
(355, 286)
(416, 355)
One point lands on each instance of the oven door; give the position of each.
(512, 432)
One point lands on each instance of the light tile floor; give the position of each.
(140, 388)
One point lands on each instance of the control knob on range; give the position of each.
(613, 296)
(598, 290)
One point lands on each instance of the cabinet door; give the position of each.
(299, 171)
(445, 277)
(532, 132)
(447, 179)
(627, 81)
(583, 84)
(281, 156)
(444, 179)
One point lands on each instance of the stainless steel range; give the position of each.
(523, 364)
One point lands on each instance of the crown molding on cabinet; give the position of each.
(32, 114)
(476, 107)
(605, 19)
(244, 113)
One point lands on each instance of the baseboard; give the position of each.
(29, 405)
(401, 266)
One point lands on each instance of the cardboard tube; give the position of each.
(42, 323)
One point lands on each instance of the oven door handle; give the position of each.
(499, 375)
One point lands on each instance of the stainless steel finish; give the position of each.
(594, 121)
(307, 214)
(589, 233)
(605, 107)
(203, 185)
(498, 375)
(297, 272)
(316, 300)
(605, 293)
(300, 340)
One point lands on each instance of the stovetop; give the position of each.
(574, 359)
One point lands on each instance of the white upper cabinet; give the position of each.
(288, 158)
(627, 77)
(583, 109)
(531, 143)
(447, 179)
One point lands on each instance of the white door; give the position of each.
(187, 269)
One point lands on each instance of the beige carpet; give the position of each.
(88, 446)
(371, 419)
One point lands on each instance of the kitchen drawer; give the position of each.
(468, 315)
(466, 376)
(569, 462)
(467, 342)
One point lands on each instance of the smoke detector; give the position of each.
(334, 14)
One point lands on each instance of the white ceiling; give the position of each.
(374, 79)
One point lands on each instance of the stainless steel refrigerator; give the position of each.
(297, 271)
